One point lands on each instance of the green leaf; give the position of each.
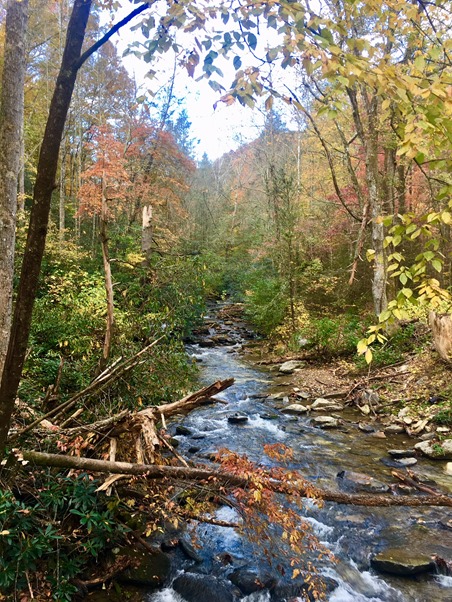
(362, 346)
(437, 265)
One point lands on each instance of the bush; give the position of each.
(53, 536)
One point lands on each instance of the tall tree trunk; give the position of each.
(108, 284)
(37, 232)
(62, 199)
(11, 120)
(379, 284)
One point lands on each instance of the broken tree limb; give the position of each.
(194, 399)
(109, 375)
(228, 479)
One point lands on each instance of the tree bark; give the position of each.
(151, 471)
(11, 120)
(42, 194)
(103, 235)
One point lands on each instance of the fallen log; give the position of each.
(118, 368)
(151, 471)
(194, 399)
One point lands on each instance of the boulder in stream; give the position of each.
(326, 422)
(249, 581)
(295, 408)
(206, 588)
(326, 405)
(237, 418)
(401, 453)
(290, 366)
(400, 561)
(436, 450)
(357, 481)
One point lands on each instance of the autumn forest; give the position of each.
(325, 240)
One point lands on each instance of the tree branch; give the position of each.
(92, 49)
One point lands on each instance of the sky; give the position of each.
(219, 129)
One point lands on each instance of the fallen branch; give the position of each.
(412, 480)
(194, 399)
(109, 375)
(206, 474)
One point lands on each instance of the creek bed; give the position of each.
(352, 533)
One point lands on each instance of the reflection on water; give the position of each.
(352, 533)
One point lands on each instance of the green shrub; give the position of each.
(53, 534)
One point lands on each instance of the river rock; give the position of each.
(290, 366)
(295, 408)
(400, 561)
(268, 416)
(394, 429)
(183, 430)
(237, 418)
(152, 570)
(439, 450)
(357, 481)
(366, 428)
(189, 550)
(222, 339)
(202, 588)
(326, 422)
(448, 468)
(298, 588)
(249, 581)
(402, 453)
(326, 405)
(407, 462)
(302, 394)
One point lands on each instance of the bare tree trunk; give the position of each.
(11, 121)
(109, 294)
(62, 199)
(146, 231)
(42, 194)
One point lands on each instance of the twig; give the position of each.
(168, 445)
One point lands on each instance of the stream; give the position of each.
(352, 533)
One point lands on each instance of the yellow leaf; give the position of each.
(368, 356)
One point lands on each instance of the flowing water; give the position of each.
(352, 533)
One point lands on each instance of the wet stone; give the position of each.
(189, 550)
(295, 408)
(197, 588)
(326, 422)
(194, 449)
(407, 461)
(366, 428)
(237, 418)
(394, 429)
(401, 562)
(402, 453)
(267, 416)
(183, 430)
(357, 481)
(249, 581)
